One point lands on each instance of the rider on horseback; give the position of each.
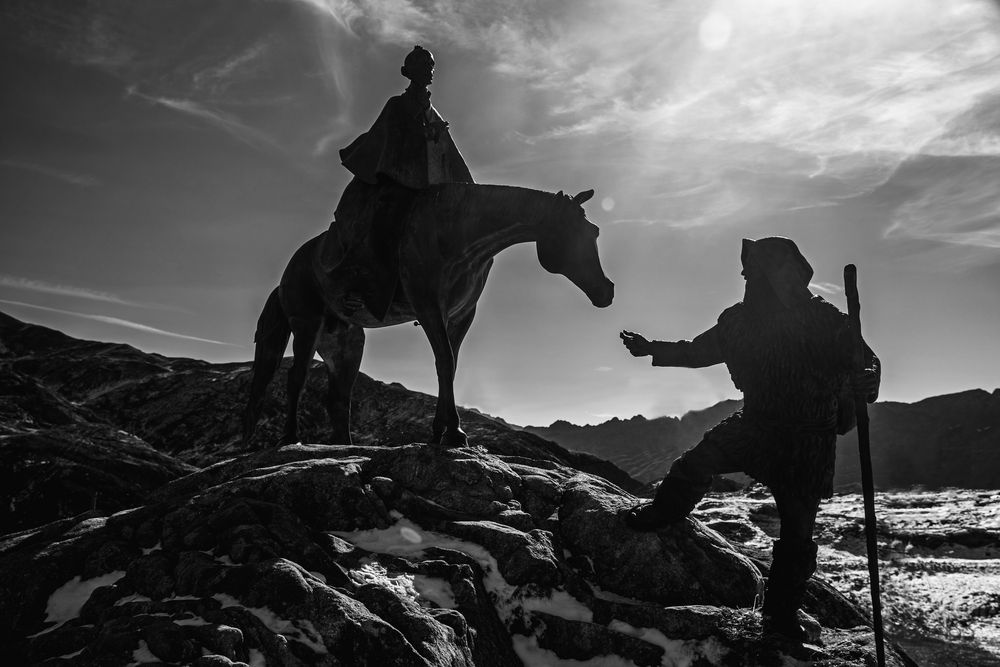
(407, 150)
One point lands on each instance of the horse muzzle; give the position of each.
(603, 294)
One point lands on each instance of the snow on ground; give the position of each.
(66, 602)
(301, 630)
(405, 538)
(939, 557)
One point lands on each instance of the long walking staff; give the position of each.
(864, 447)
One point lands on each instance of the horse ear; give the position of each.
(559, 194)
(583, 196)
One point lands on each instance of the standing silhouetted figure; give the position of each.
(407, 149)
(789, 352)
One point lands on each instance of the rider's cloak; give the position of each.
(408, 144)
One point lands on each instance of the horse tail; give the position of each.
(271, 339)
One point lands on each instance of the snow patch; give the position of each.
(143, 655)
(256, 658)
(194, 620)
(676, 652)
(135, 597)
(532, 655)
(405, 538)
(301, 630)
(417, 587)
(66, 601)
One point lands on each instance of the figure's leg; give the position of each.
(391, 208)
(793, 562)
(305, 334)
(341, 348)
(722, 450)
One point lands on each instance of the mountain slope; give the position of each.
(390, 552)
(951, 440)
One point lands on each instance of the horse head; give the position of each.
(568, 245)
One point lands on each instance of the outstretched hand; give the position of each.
(636, 344)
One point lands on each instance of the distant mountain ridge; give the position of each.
(949, 440)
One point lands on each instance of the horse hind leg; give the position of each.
(270, 341)
(341, 346)
(305, 337)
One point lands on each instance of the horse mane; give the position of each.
(455, 195)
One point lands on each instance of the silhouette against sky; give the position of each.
(160, 162)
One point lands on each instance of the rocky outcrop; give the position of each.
(389, 552)
(97, 426)
(405, 556)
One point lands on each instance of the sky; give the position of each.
(161, 161)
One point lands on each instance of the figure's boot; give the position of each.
(674, 500)
(794, 561)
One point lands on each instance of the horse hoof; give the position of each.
(454, 438)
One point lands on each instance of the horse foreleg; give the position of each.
(341, 348)
(457, 329)
(447, 426)
(305, 334)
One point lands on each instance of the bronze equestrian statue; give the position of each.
(407, 149)
(415, 237)
(448, 239)
(790, 353)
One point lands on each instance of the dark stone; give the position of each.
(151, 575)
(225, 640)
(166, 641)
(682, 564)
(522, 557)
(577, 640)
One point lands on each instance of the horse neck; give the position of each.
(495, 217)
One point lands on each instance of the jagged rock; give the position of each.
(683, 564)
(579, 640)
(437, 642)
(485, 555)
(54, 473)
(523, 557)
(464, 481)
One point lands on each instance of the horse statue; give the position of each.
(446, 250)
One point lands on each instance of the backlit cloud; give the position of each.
(840, 94)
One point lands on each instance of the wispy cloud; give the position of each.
(116, 321)
(218, 77)
(225, 121)
(958, 203)
(842, 77)
(41, 286)
(840, 94)
(63, 175)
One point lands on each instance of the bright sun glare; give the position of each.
(715, 30)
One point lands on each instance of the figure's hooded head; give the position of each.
(777, 260)
(418, 66)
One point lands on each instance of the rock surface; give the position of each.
(509, 551)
